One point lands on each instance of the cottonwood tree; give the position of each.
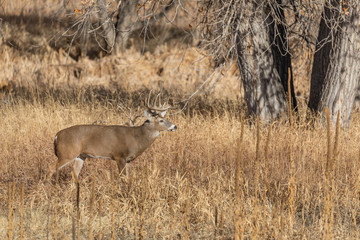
(336, 69)
(115, 20)
(256, 33)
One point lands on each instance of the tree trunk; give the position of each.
(261, 63)
(278, 34)
(106, 24)
(125, 24)
(117, 35)
(127, 21)
(336, 73)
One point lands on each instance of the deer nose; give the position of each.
(173, 128)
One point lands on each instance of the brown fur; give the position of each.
(119, 143)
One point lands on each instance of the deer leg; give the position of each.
(62, 162)
(121, 163)
(79, 162)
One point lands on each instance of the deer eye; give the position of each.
(161, 121)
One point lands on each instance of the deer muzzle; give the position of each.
(173, 128)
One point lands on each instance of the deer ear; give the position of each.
(147, 114)
(162, 114)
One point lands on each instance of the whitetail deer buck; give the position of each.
(120, 143)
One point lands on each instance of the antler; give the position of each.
(157, 107)
(132, 119)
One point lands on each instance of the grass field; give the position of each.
(183, 185)
(208, 180)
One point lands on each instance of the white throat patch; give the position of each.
(156, 134)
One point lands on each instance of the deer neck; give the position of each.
(147, 134)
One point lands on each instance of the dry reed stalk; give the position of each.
(112, 211)
(40, 16)
(21, 210)
(221, 223)
(11, 196)
(76, 219)
(101, 64)
(328, 135)
(257, 159)
(216, 221)
(78, 209)
(172, 216)
(239, 179)
(186, 220)
(355, 200)
(291, 183)
(354, 227)
(57, 176)
(265, 166)
(329, 176)
(144, 194)
(327, 200)
(266, 163)
(55, 216)
(91, 213)
(274, 221)
(134, 223)
(142, 218)
(60, 55)
(100, 220)
(255, 215)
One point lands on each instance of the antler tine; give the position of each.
(130, 115)
(158, 97)
(156, 105)
(148, 100)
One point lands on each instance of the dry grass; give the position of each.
(183, 182)
(184, 185)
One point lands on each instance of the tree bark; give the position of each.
(107, 24)
(117, 34)
(260, 63)
(125, 24)
(278, 34)
(336, 73)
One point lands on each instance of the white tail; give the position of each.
(120, 143)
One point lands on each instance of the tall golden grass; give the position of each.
(184, 184)
(220, 176)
